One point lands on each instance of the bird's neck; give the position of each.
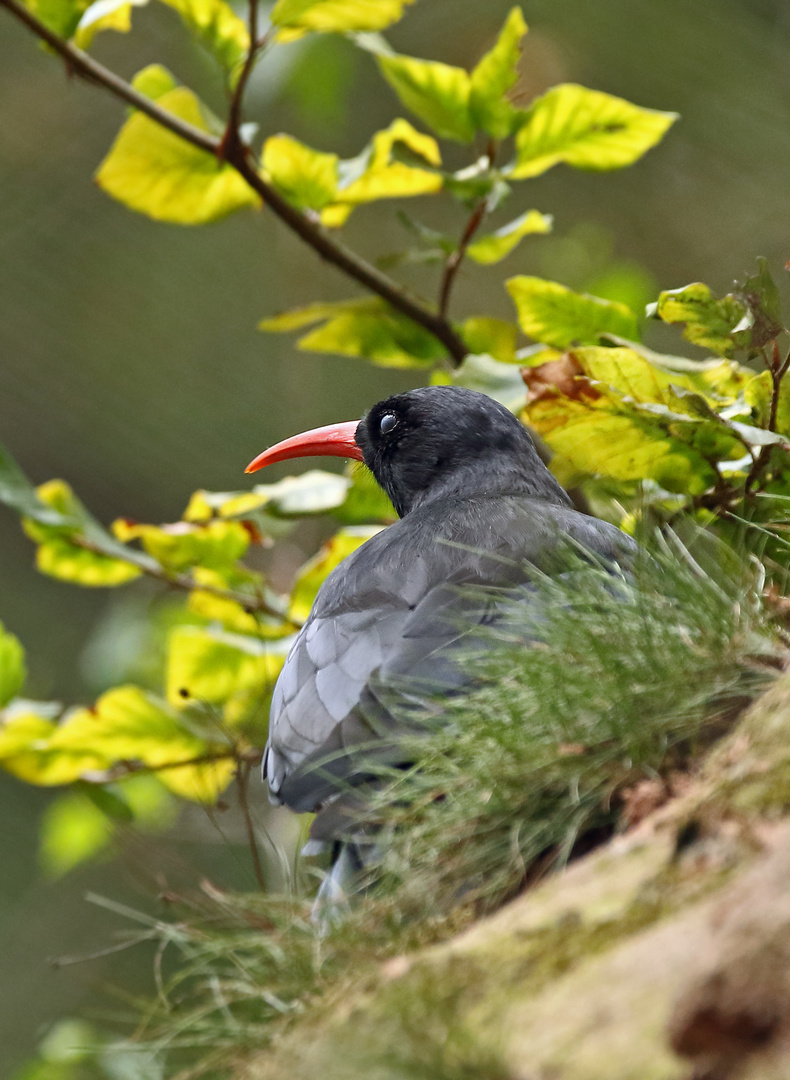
(473, 482)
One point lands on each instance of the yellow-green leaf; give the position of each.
(365, 501)
(185, 544)
(297, 318)
(555, 315)
(494, 75)
(306, 178)
(710, 322)
(208, 665)
(591, 439)
(586, 129)
(154, 172)
(611, 412)
(154, 81)
(376, 174)
(313, 574)
(296, 17)
(25, 751)
(437, 93)
(496, 245)
(379, 334)
(366, 328)
(493, 337)
(12, 666)
(60, 558)
(78, 549)
(313, 492)
(129, 724)
(105, 15)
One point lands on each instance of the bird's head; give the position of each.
(432, 442)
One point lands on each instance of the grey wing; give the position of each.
(321, 684)
(349, 681)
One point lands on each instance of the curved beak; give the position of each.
(334, 440)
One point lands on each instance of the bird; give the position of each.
(478, 514)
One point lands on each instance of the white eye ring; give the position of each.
(387, 423)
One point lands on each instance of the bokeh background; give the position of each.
(131, 366)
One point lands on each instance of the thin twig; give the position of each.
(240, 158)
(128, 768)
(242, 779)
(778, 370)
(455, 258)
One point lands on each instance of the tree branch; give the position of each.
(81, 64)
(252, 604)
(239, 157)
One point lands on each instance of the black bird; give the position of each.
(478, 508)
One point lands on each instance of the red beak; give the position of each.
(334, 440)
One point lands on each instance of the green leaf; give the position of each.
(366, 328)
(12, 666)
(217, 27)
(586, 129)
(78, 825)
(296, 17)
(73, 830)
(761, 295)
(553, 314)
(306, 178)
(710, 322)
(61, 16)
(495, 74)
(491, 337)
(315, 572)
(437, 93)
(154, 172)
(495, 246)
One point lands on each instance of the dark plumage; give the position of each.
(478, 508)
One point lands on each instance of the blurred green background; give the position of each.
(130, 363)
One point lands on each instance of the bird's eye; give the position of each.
(387, 423)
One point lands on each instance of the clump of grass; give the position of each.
(618, 677)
